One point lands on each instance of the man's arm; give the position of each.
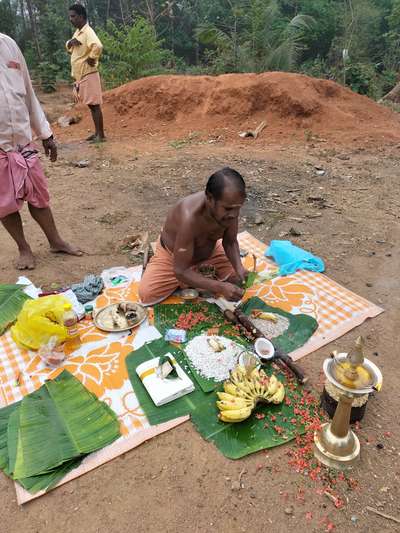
(37, 117)
(183, 256)
(95, 47)
(231, 247)
(69, 45)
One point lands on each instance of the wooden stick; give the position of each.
(254, 263)
(259, 129)
(383, 515)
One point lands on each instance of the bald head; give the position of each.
(226, 178)
(225, 195)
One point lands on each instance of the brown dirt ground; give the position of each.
(178, 482)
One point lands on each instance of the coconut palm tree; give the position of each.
(256, 37)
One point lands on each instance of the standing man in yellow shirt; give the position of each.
(85, 49)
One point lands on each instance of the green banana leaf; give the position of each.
(5, 414)
(180, 407)
(232, 440)
(166, 315)
(50, 431)
(35, 483)
(12, 298)
(257, 432)
(301, 327)
(50, 479)
(268, 426)
(59, 422)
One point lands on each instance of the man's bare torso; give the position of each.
(191, 212)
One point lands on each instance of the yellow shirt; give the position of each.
(90, 47)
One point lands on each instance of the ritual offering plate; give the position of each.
(120, 316)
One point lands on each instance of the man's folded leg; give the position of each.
(158, 281)
(221, 263)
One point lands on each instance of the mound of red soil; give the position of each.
(290, 104)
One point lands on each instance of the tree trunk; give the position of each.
(107, 12)
(34, 28)
(22, 10)
(122, 12)
(393, 95)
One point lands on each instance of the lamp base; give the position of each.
(341, 453)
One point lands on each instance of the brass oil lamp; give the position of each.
(335, 444)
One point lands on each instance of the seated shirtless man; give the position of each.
(200, 230)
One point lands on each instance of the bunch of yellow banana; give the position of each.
(242, 392)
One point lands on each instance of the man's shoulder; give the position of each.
(9, 40)
(11, 46)
(90, 31)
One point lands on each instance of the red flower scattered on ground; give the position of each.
(260, 416)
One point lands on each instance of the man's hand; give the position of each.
(90, 61)
(242, 274)
(231, 292)
(73, 42)
(50, 148)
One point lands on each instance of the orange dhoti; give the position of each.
(159, 280)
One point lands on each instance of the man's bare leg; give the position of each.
(13, 224)
(44, 217)
(97, 116)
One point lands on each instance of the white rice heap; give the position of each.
(210, 364)
(272, 329)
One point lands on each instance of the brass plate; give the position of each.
(102, 319)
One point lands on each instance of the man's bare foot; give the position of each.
(91, 137)
(65, 248)
(26, 260)
(98, 139)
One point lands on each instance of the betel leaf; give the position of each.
(250, 280)
(172, 372)
(12, 298)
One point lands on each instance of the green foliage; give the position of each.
(362, 78)
(8, 19)
(130, 53)
(204, 36)
(47, 73)
(267, 41)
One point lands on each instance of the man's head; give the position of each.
(77, 15)
(225, 194)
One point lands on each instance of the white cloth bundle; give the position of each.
(164, 390)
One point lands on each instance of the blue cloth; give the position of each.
(291, 258)
(90, 287)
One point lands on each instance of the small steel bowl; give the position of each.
(189, 294)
